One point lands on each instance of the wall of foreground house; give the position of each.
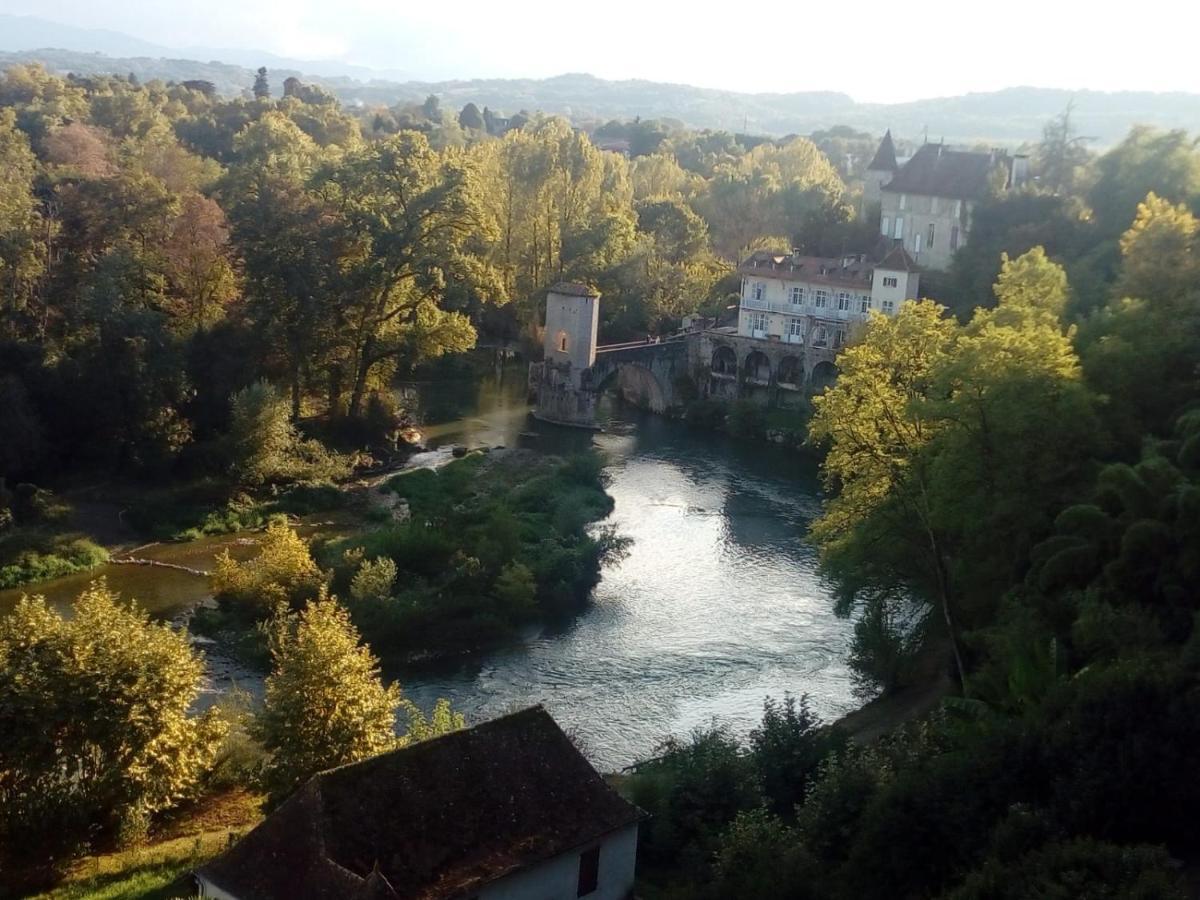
(558, 878)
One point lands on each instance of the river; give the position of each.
(718, 604)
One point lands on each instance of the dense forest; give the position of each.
(1013, 505)
(217, 293)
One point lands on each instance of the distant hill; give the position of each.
(1006, 117)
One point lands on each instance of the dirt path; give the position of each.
(931, 683)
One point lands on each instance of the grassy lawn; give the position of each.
(158, 869)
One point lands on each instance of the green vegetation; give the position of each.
(493, 541)
(325, 703)
(98, 734)
(1016, 479)
(31, 556)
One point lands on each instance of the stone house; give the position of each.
(505, 810)
(926, 203)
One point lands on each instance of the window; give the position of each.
(904, 201)
(589, 872)
(796, 295)
(820, 336)
(756, 291)
(864, 303)
(839, 339)
(889, 306)
(891, 281)
(917, 242)
(954, 237)
(795, 329)
(820, 299)
(898, 234)
(758, 322)
(929, 243)
(885, 226)
(562, 342)
(958, 209)
(843, 301)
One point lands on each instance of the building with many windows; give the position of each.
(814, 301)
(926, 202)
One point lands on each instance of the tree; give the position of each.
(283, 572)
(1061, 155)
(1165, 162)
(95, 712)
(198, 260)
(410, 228)
(877, 426)
(262, 87)
(432, 108)
(266, 446)
(325, 704)
(470, 117)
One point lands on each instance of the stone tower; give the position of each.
(572, 322)
(880, 170)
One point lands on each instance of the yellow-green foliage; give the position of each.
(94, 709)
(282, 572)
(374, 579)
(325, 703)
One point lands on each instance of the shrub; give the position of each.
(282, 572)
(95, 713)
(786, 749)
(33, 556)
(374, 579)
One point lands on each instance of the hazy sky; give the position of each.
(872, 50)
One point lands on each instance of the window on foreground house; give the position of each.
(890, 282)
(589, 872)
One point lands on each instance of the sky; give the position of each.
(872, 50)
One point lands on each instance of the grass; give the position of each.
(159, 869)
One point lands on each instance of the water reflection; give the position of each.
(718, 605)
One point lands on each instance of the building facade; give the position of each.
(506, 810)
(814, 302)
(927, 202)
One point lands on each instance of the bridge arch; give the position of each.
(724, 361)
(823, 375)
(637, 385)
(791, 373)
(757, 368)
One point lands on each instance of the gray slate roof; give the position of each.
(436, 820)
(938, 171)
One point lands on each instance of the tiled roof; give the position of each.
(937, 171)
(885, 156)
(823, 270)
(574, 289)
(436, 820)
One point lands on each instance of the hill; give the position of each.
(1011, 116)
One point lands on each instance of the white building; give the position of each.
(507, 810)
(815, 301)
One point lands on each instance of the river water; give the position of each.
(718, 604)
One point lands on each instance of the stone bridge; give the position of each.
(664, 374)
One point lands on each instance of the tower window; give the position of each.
(562, 342)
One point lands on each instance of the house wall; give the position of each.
(779, 311)
(578, 319)
(558, 878)
(919, 212)
(208, 889)
(907, 287)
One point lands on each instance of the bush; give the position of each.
(786, 749)
(374, 579)
(31, 556)
(95, 713)
(282, 572)
(760, 858)
(266, 446)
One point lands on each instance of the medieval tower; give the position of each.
(569, 345)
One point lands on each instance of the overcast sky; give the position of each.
(872, 50)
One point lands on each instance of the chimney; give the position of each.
(796, 255)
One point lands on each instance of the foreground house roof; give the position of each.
(938, 171)
(438, 819)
